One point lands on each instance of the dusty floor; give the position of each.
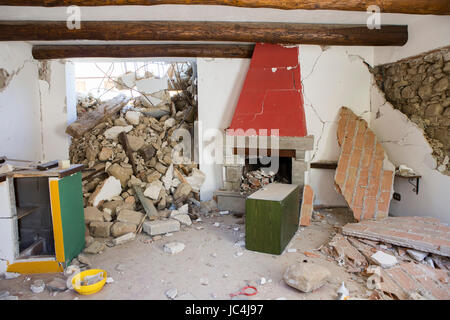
(142, 270)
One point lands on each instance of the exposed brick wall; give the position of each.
(307, 206)
(360, 176)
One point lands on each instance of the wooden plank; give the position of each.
(266, 32)
(324, 165)
(281, 153)
(47, 165)
(123, 140)
(73, 169)
(92, 118)
(44, 52)
(441, 7)
(147, 204)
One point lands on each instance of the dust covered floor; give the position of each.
(210, 266)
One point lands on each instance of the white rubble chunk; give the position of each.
(11, 275)
(113, 132)
(153, 190)
(169, 123)
(183, 218)
(172, 293)
(133, 117)
(168, 177)
(196, 179)
(184, 209)
(174, 247)
(151, 85)
(417, 255)
(110, 189)
(38, 286)
(384, 260)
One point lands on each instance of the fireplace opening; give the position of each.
(282, 175)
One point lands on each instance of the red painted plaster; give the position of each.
(271, 97)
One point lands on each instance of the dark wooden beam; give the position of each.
(43, 52)
(440, 7)
(266, 32)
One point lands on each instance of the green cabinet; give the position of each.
(272, 217)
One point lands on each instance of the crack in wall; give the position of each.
(6, 77)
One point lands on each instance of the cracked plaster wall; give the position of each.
(331, 77)
(37, 102)
(20, 127)
(402, 139)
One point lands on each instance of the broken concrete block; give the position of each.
(130, 216)
(182, 191)
(105, 154)
(417, 255)
(100, 229)
(168, 177)
(161, 227)
(95, 247)
(383, 259)
(154, 189)
(120, 228)
(124, 239)
(183, 218)
(112, 205)
(110, 188)
(151, 85)
(174, 247)
(306, 277)
(92, 214)
(196, 179)
(121, 173)
(113, 132)
(133, 117)
(135, 143)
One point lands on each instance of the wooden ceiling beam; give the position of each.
(43, 52)
(438, 7)
(250, 32)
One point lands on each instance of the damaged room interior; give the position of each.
(224, 150)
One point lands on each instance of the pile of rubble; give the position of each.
(134, 168)
(254, 180)
(398, 272)
(86, 103)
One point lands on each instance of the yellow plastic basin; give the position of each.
(91, 289)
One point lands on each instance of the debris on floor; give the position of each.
(254, 180)
(306, 276)
(418, 233)
(136, 178)
(378, 250)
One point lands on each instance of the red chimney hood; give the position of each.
(271, 97)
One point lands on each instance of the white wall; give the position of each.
(58, 104)
(220, 83)
(20, 128)
(331, 78)
(402, 139)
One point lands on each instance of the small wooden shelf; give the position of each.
(411, 178)
(24, 211)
